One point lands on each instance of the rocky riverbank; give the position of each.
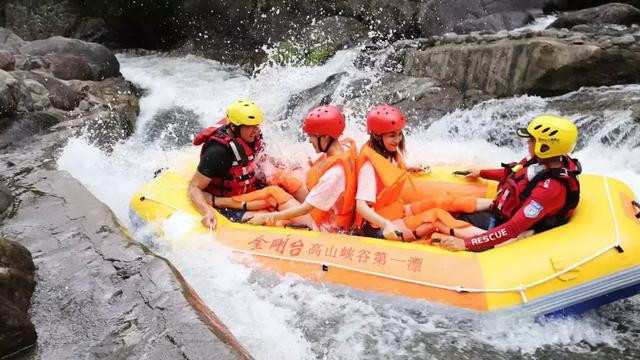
(97, 293)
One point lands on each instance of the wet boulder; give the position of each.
(172, 127)
(620, 14)
(15, 128)
(115, 110)
(75, 59)
(17, 283)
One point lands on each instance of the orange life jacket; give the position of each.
(392, 176)
(340, 217)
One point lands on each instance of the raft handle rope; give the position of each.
(460, 289)
(636, 205)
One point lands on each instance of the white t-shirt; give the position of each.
(329, 189)
(367, 183)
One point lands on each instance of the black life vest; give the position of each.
(241, 178)
(516, 187)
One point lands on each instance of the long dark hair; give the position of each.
(375, 142)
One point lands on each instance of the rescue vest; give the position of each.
(393, 178)
(341, 215)
(517, 184)
(241, 178)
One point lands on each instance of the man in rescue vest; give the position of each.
(331, 181)
(538, 193)
(227, 168)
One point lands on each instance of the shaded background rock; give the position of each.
(621, 14)
(93, 61)
(495, 22)
(17, 283)
(550, 6)
(236, 31)
(33, 20)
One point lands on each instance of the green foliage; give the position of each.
(290, 53)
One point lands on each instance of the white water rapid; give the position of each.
(288, 318)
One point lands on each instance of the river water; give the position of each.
(288, 318)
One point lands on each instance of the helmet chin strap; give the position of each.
(324, 150)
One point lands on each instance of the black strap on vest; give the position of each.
(572, 197)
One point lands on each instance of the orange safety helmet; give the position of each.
(384, 119)
(324, 120)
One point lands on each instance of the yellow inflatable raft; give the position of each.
(592, 260)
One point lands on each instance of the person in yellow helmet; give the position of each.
(227, 168)
(538, 193)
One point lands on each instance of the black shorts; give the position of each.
(369, 231)
(481, 219)
(234, 215)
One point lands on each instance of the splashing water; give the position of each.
(287, 318)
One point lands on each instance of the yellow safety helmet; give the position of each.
(554, 135)
(244, 112)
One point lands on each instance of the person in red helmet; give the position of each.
(331, 180)
(382, 173)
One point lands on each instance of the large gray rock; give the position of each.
(33, 96)
(9, 93)
(99, 294)
(9, 40)
(61, 95)
(539, 65)
(436, 17)
(620, 14)
(550, 6)
(17, 282)
(75, 59)
(495, 22)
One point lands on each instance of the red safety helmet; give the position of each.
(384, 119)
(324, 120)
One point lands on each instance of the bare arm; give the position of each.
(389, 229)
(369, 214)
(201, 200)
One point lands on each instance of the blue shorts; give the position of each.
(234, 215)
